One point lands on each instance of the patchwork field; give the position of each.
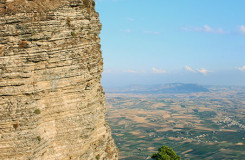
(204, 125)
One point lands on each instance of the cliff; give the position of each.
(52, 104)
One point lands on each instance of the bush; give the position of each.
(73, 34)
(37, 111)
(38, 138)
(93, 3)
(97, 157)
(165, 153)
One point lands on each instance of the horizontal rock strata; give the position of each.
(52, 104)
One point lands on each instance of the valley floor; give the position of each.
(196, 125)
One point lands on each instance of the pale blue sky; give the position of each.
(164, 41)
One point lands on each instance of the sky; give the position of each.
(169, 41)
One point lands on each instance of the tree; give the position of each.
(165, 153)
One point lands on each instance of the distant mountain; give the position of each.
(157, 89)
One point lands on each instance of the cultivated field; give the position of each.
(203, 125)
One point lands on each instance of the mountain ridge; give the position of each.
(160, 88)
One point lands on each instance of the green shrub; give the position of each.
(93, 3)
(37, 111)
(97, 157)
(73, 34)
(38, 138)
(165, 153)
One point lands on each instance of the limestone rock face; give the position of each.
(52, 104)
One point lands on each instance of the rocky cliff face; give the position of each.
(52, 105)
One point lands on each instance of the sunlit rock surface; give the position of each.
(52, 104)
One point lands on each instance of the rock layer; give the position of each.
(52, 104)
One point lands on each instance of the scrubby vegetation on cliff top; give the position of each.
(40, 6)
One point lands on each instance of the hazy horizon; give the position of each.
(172, 41)
(124, 80)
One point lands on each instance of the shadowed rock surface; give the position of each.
(52, 104)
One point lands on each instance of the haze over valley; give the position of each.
(204, 122)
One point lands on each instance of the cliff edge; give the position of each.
(52, 104)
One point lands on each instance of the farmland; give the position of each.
(197, 125)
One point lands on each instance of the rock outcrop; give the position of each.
(52, 104)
